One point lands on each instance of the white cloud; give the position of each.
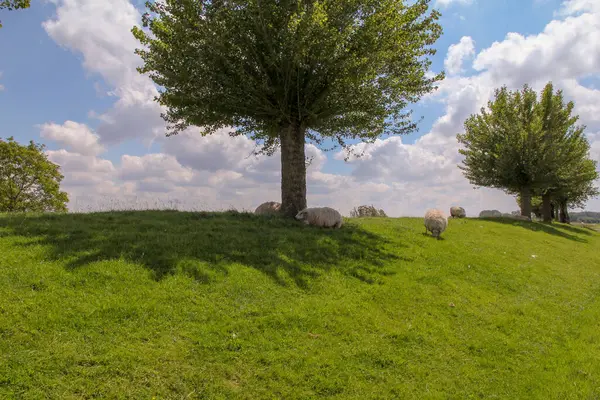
(85, 174)
(566, 49)
(446, 3)
(74, 136)
(595, 146)
(99, 30)
(153, 166)
(457, 53)
(572, 7)
(78, 162)
(1, 87)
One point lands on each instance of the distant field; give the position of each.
(177, 305)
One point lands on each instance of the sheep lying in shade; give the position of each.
(435, 222)
(321, 216)
(457, 212)
(268, 208)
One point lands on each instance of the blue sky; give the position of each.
(46, 80)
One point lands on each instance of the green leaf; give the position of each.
(28, 180)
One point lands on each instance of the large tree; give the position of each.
(28, 180)
(523, 146)
(286, 72)
(13, 5)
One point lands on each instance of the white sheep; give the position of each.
(435, 222)
(490, 214)
(321, 216)
(268, 208)
(457, 212)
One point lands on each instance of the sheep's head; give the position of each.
(301, 215)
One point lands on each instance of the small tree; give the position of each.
(367, 211)
(13, 5)
(502, 145)
(28, 180)
(576, 188)
(521, 145)
(289, 71)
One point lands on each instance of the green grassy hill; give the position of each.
(178, 305)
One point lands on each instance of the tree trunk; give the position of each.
(293, 170)
(526, 202)
(564, 213)
(552, 211)
(547, 208)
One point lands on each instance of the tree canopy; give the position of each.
(528, 147)
(13, 5)
(284, 72)
(28, 180)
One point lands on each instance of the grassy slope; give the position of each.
(167, 304)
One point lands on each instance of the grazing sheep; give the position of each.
(321, 216)
(435, 222)
(457, 212)
(268, 208)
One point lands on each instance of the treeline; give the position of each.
(533, 148)
(587, 217)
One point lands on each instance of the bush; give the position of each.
(367, 211)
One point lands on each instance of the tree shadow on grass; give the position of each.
(204, 244)
(558, 230)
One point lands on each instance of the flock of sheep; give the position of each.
(436, 221)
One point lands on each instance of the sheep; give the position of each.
(490, 214)
(268, 208)
(457, 212)
(321, 216)
(435, 222)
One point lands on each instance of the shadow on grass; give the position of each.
(203, 245)
(430, 236)
(558, 230)
(594, 228)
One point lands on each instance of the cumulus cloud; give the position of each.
(566, 49)
(153, 166)
(446, 3)
(457, 54)
(572, 7)
(85, 174)
(99, 30)
(74, 136)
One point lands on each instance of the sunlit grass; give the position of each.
(230, 305)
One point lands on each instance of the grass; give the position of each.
(174, 305)
(594, 227)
